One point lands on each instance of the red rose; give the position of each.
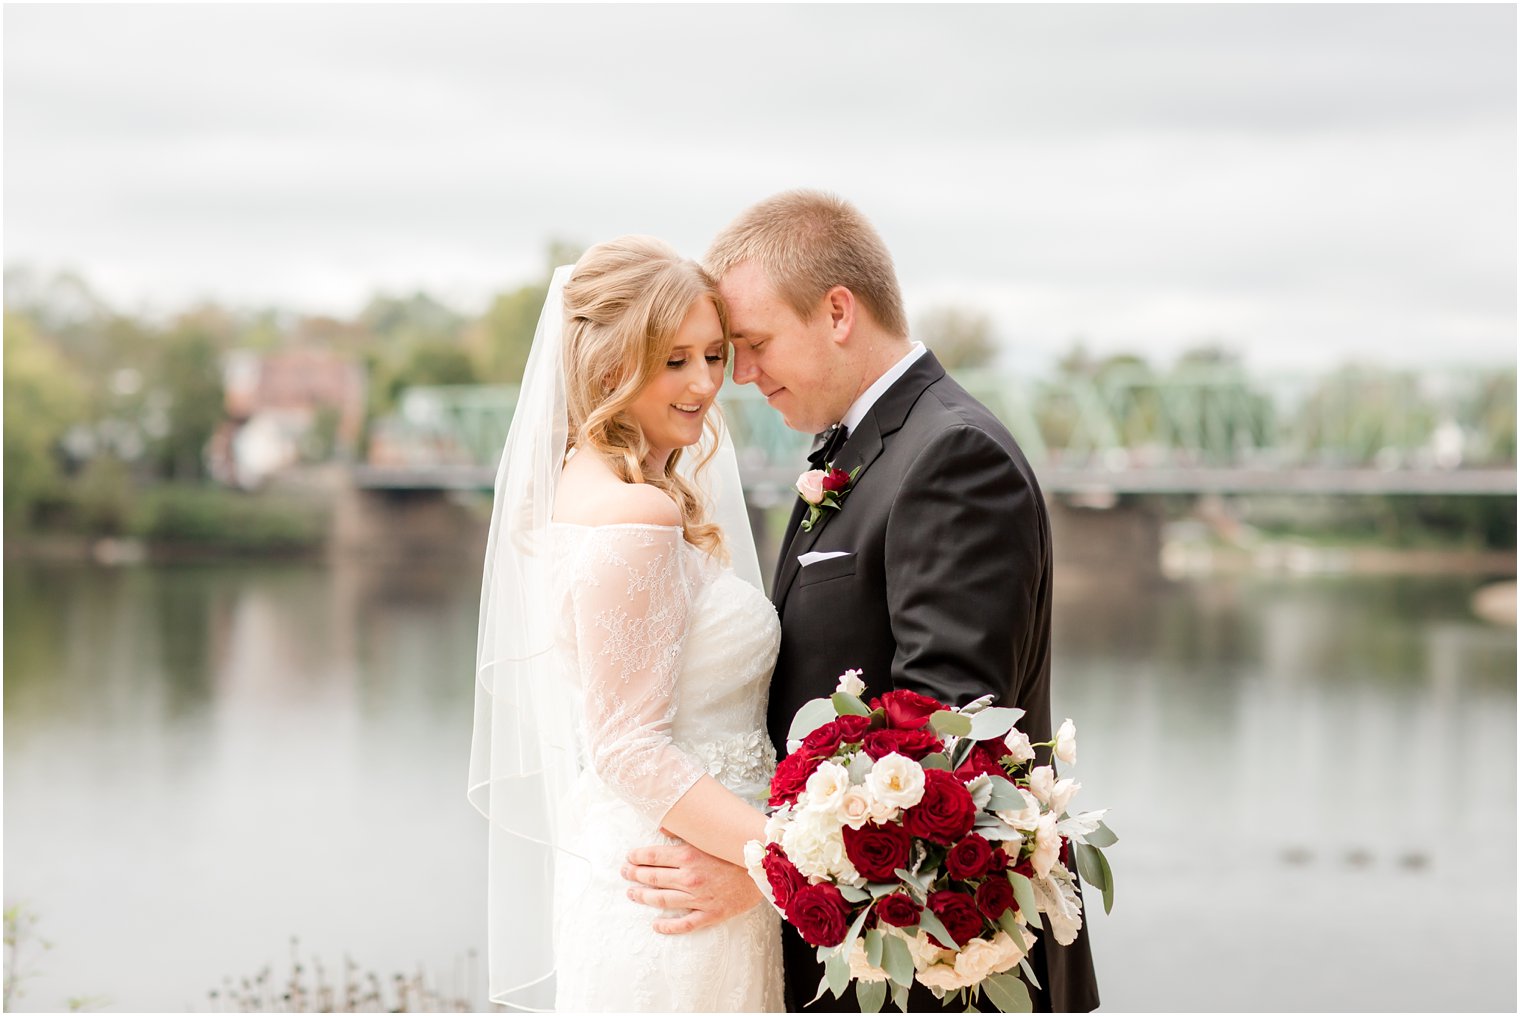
(827, 738)
(983, 759)
(877, 851)
(1024, 867)
(1000, 862)
(994, 896)
(970, 858)
(782, 874)
(946, 812)
(820, 914)
(915, 744)
(906, 710)
(836, 480)
(898, 910)
(792, 776)
(958, 913)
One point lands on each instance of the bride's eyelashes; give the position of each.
(711, 358)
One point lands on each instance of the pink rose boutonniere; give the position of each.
(824, 488)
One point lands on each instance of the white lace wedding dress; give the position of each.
(671, 657)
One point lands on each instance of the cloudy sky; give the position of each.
(1307, 184)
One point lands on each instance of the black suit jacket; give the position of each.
(945, 590)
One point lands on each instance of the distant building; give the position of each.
(286, 407)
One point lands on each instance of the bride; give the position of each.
(625, 650)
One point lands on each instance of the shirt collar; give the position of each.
(861, 406)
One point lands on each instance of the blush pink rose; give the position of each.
(810, 486)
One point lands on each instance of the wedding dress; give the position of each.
(669, 655)
(614, 666)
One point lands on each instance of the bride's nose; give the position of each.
(703, 385)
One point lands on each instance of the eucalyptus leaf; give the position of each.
(994, 722)
(937, 760)
(1108, 882)
(837, 972)
(849, 940)
(1005, 796)
(873, 947)
(934, 926)
(823, 985)
(962, 751)
(1029, 971)
(912, 879)
(853, 894)
(1008, 993)
(1010, 924)
(870, 995)
(1090, 866)
(1102, 836)
(880, 889)
(897, 961)
(848, 705)
(1023, 892)
(813, 714)
(951, 723)
(900, 997)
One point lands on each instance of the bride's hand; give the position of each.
(684, 878)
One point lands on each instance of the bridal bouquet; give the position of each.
(910, 840)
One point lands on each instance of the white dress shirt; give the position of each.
(861, 406)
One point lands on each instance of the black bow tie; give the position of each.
(826, 445)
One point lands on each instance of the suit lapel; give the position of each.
(863, 447)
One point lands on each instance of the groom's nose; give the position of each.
(745, 371)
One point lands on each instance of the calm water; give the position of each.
(1314, 782)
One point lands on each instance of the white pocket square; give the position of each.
(814, 556)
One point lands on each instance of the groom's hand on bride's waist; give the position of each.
(682, 877)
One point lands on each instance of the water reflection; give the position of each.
(1314, 781)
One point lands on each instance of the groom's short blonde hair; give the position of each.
(808, 242)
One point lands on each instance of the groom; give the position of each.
(934, 574)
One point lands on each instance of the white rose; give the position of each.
(826, 786)
(882, 812)
(980, 958)
(754, 854)
(922, 948)
(850, 683)
(1026, 818)
(1066, 742)
(1018, 745)
(942, 976)
(854, 808)
(896, 780)
(860, 968)
(1047, 845)
(776, 824)
(813, 842)
(1053, 793)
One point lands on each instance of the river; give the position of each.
(1314, 782)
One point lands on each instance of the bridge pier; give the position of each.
(410, 526)
(1118, 541)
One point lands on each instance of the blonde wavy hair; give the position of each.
(624, 303)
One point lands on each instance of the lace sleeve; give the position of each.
(630, 602)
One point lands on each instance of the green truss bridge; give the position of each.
(1127, 431)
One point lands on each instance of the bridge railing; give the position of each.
(1126, 420)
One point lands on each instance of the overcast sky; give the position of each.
(1308, 184)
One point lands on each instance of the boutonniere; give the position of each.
(824, 488)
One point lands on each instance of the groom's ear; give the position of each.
(840, 307)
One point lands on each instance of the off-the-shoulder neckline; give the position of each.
(615, 525)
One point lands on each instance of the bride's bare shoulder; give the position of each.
(591, 494)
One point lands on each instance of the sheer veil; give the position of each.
(525, 754)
